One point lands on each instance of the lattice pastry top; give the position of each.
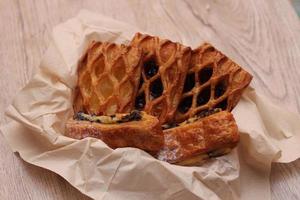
(165, 65)
(213, 81)
(108, 75)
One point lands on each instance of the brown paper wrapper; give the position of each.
(39, 112)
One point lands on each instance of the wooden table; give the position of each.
(263, 36)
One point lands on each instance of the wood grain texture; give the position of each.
(263, 36)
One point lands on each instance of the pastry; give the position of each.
(201, 129)
(158, 96)
(165, 65)
(107, 77)
(213, 81)
(134, 129)
(199, 138)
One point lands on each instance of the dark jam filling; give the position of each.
(218, 152)
(206, 113)
(222, 104)
(202, 114)
(189, 82)
(205, 74)
(150, 68)
(204, 96)
(185, 104)
(220, 88)
(140, 101)
(168, 126)
(134, 115)
(156, 88)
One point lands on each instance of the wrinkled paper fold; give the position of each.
(39, 112)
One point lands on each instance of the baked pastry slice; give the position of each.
(165, 65)
(201, 129)
(213, 81)
(197, 139)
(108, 78)
(134, 129)
(108, 75)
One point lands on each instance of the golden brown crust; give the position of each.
(172, 61)
(145, 134)
(213, 81)
(108, 75)
(207, 135)
(108, 83)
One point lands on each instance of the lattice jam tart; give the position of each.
(165, 65)
(212, 81)
(107, 77)
(201, 129)
(159, 96)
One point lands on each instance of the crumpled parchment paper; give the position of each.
(39, 112)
